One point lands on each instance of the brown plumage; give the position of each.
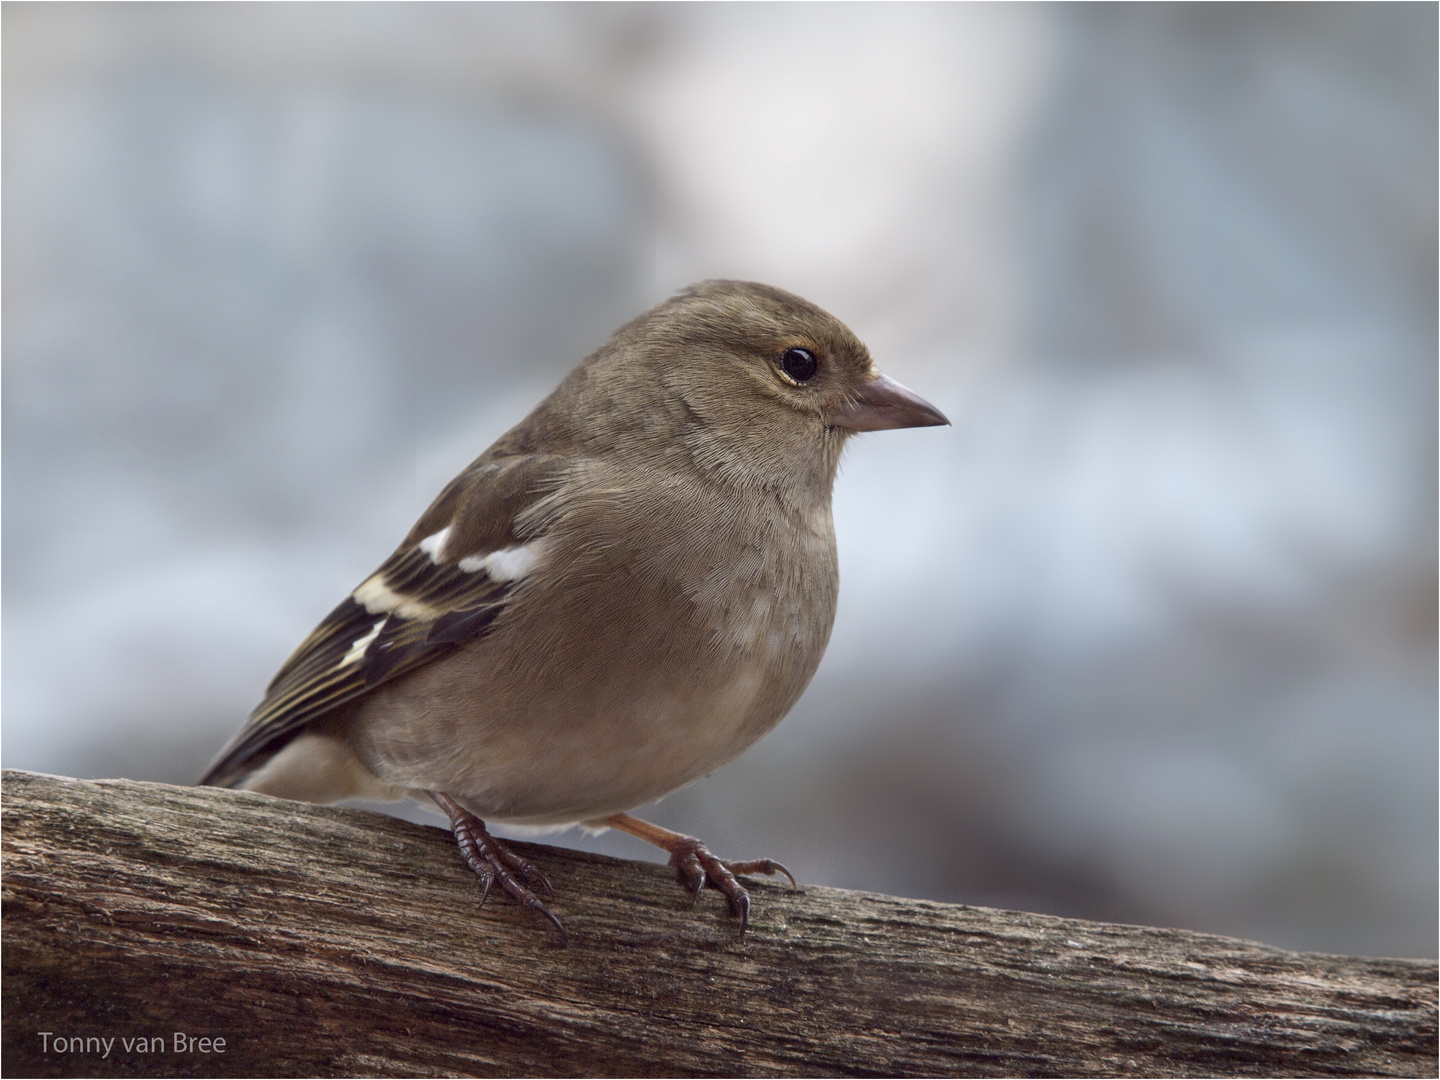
(623, 593)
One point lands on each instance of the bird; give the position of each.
(623, 593)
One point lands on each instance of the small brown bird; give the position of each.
(622, 594)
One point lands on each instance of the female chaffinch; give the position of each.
(623, 593)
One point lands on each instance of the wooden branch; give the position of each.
(317, 941)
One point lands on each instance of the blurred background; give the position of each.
(1149, 635)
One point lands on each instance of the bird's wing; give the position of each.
(443, 587)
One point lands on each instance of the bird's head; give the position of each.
(758, 385)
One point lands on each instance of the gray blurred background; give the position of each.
(1149, 635)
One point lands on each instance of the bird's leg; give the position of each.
(695, 867)
(492, 861)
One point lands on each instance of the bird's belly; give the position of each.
(646, 680)
(663, 740)
(582, 755)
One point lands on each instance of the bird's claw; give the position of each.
(689, 870)
(768, 867)
(696, 867)
(492, 861)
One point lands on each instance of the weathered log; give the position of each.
(320, 941)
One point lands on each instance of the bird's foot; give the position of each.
(696, 867)
(492, 861)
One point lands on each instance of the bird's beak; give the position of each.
(882, 403)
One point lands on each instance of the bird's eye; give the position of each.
(799, 364)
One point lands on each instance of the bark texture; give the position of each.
(318, 941)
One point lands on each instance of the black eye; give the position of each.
(799, 364)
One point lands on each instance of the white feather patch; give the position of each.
(507, 564)
(357, 651)
(434, 544)
(377, 597)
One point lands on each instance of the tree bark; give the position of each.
(320, 941)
